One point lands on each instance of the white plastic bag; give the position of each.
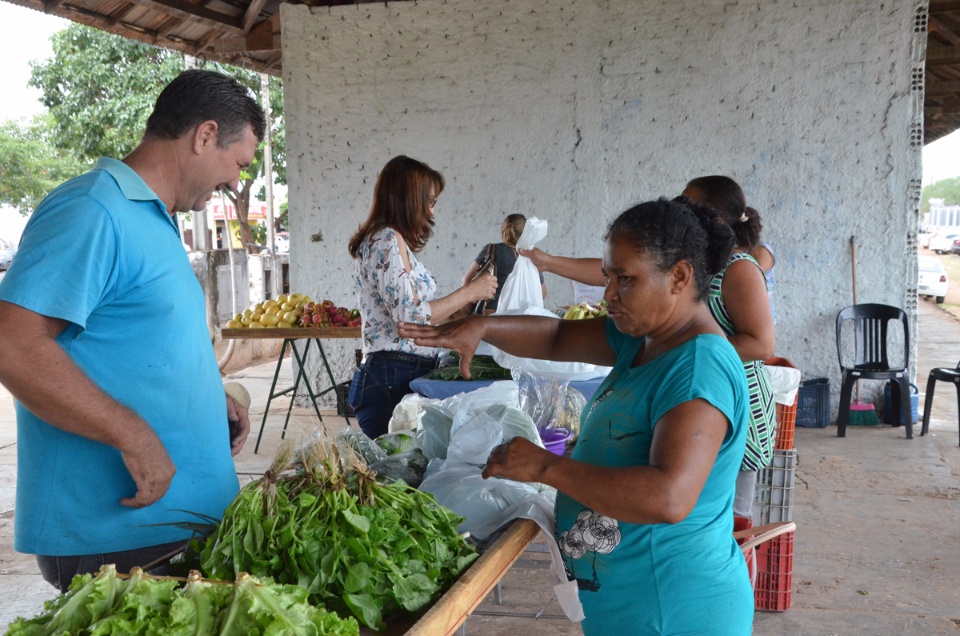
(550, 369)
(522, 286)
(785, 382)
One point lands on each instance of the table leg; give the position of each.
(270, 396)
(301, 375)
(333, 383)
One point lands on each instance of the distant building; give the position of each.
(941, 215)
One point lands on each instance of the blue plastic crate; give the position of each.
(813, 403)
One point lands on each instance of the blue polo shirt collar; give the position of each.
(131, 184)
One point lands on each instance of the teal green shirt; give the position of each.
(684, 578)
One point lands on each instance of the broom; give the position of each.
(861, 413)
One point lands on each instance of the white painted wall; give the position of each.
(571, 110)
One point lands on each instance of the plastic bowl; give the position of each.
(556, 440)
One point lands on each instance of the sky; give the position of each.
(941, 159)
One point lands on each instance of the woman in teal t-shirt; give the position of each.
(644, 505)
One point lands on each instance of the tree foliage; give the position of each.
(946, 189)
(30, 166)
(99, 90)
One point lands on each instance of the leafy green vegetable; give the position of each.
(408, 466)
(106, 605)
(358, 547)
(481, 368)
(396, 442)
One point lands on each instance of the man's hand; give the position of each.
(151, 468)
(238, 415)
(239, 418)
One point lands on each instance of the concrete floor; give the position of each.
(877, 548)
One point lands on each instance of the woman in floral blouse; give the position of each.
(393, 286)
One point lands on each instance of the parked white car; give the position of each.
(932, 278)
(941, 241)
(6, 257)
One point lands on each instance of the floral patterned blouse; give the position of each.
(387, 294)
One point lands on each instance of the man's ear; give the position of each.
(205, 136)
(681, 276)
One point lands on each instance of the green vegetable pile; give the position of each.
(321, 521)
(481, 368)
(107, 605)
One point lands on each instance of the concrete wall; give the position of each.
(571, 110)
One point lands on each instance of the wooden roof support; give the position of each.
(252, 13)
(264, 37)
(943, 54)
(934, 89)
(195, 13)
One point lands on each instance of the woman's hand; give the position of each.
(520, 460)
(540, 258)
(483, 288)
(463, 336)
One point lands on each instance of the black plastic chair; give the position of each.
(871, 322)
(944, 374)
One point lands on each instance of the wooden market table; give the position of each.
(453, 608)
(290, 337)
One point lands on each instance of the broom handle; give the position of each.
(853, 264)
(853, 267)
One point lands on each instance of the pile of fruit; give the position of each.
(585, 310)
(327, 314)
(295, 310)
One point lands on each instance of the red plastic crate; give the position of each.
(786, 415)
(773, 591)
(786, 425)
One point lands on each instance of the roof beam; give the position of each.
(938, 6)
(253, 12)
(264, 37)
(943, 54)
(195, 13)
(942, 88)
(167, 27)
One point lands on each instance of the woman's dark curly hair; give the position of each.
(678, 230)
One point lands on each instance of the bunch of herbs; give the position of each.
(361, 548)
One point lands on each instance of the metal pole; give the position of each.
(268, 161)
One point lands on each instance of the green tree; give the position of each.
(100, 88)
(946, 189)
(30, 166)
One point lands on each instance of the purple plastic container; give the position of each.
(556, 440)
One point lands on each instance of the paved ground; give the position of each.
(877, 549)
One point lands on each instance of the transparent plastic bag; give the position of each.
(551, 403)
(487, 504)
(359, 443)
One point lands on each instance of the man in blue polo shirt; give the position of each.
(122, 420)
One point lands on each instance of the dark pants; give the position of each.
(59, 571)
(380, 383)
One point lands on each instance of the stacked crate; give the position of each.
(773, 503)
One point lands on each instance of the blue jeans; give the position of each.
(380, 383)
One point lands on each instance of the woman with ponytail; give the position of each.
(739, 302)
